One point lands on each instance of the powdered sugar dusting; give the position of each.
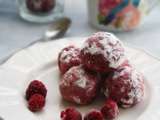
(138, 83)
(76, 99)
(130, 101)
(122, 71)
(78, 86)
(65, 81)
(106, 92)
(69, 54)
(92, 49)
(135, 81)
(108, 45)
(82, 81)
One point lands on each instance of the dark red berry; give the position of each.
(94, 115)
(71, 114)
(110, 110)
(36, 103)
(36, 87)
(40, 6)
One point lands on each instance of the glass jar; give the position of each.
(118, 15)
(41, 11)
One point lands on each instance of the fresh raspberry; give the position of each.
(94, 115)
(36, 102)
(71, 114)
(68, 57)
(36, 87)
(40, 6)
(110, 110)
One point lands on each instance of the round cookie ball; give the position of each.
(125, 86)
(68, 57)
(79, 86)
(102, 52)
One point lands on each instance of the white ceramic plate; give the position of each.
(40, 62)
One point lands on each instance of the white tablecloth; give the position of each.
(16, 33)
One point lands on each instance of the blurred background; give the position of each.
(16, 32)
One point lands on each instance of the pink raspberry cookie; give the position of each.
(78, 85)
(102, 52)
(125, 86)
(68, 57)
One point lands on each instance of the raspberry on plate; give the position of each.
(36, 102)
(110, 110)
(125, 86)
(94, 115)
(68, 57)
(102, 52)
(71, 114)
(34, 87)
(79, 85)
